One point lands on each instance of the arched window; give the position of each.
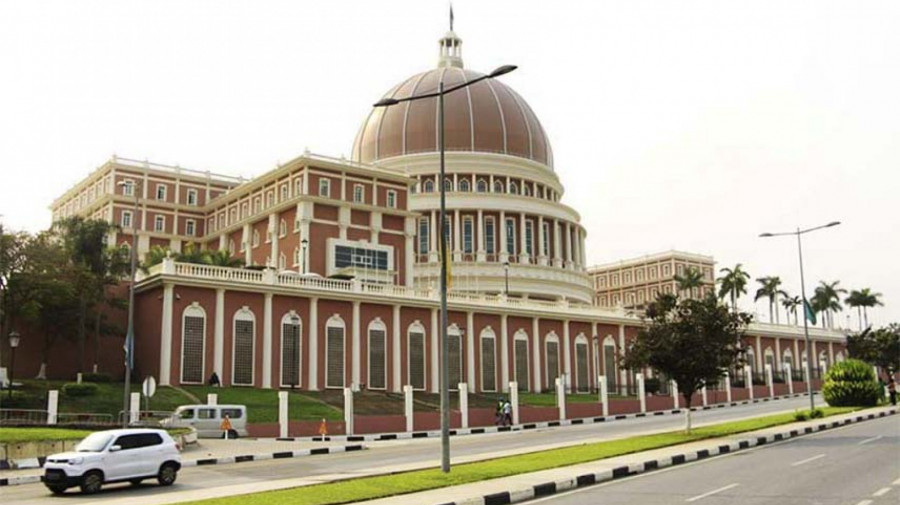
(377, 354)
(415, 355)
(282, 261)
(464, 185)
(769, 358)
(296, 256)
(454, 337)
(448, 185)
(291, 349)
(513, 188)
(751, 360)
(270, 199)
(609, 362)
(255, 238)
(481, 186)
(428, 186)
(488, 360)
(526, 189)
(521, 360)
(581, 364)
(551, 353)
(498, 187)
(335, 331)
(243, 347)
(787, 359)
(284, 192)
(282, 228)
(193, 344)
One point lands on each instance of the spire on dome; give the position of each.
(451, 47)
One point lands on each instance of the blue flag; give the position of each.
(810, 313)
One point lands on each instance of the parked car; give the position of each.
(208, 419)
(125, 455)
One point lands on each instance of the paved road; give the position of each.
(856, 465)
(394, 453)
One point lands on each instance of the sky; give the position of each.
(690, 125)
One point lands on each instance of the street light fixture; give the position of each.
(295, 355)
(303, 243)
(445, 347)
(808, 364)
(13, 344)
(129, 336)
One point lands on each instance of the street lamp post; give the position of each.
(295, 355)
(129, 336)
(445, 347)
(13, 344)
(506, 275)
(303, 243)
(799, 233)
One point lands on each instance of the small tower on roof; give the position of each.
(451, 48)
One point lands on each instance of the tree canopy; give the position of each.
(879, 347)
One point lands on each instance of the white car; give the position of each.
(126, 455)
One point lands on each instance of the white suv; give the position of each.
(130, 455)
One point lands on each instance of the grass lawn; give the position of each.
(368, 488)
(549, 399)
(262, 404)
(108, 400)
(10, 435)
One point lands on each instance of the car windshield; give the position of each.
(95, 442)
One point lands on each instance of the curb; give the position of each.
(590, 479)
(380, 437)
(30, 479)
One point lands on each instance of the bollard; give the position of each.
(770, 381)
(78, 377)
(134, 413)
(514, 401)
(348, 411)
(806, 379)
(728, 387)
(283, 414)
(212, 399)
(703, 394)
(604, 394)
(561, 396)
(824, 366)
(464, 403)
(408, 407)
(789, 379)
(641, 391)
(52, 406)
(675, 402)
(748, 377)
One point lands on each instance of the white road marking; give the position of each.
(865, 502)
(896, 483)
(866, 441)
(807, 460)
(714, 491)
(881, 492)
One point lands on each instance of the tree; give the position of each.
(827, 300)
(868, 299)
(692, 278)
(690, 341)
(879, 347)
(733, 284)
(223, 258)
(790, 304)
(769, 288)
(154, 256)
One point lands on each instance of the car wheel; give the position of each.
(167, 474)
(136, 482)
(57, 488)
(91, 482)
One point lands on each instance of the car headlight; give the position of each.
(76, 461)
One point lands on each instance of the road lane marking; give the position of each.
(714, 491)
(881, 492)
(865, 502)
(896, 483)
(866, 441)
(807, 460)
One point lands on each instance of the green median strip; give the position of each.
(369, 488)
(12, 435)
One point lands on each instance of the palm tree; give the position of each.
(733, 284)
(855, 300)
(769, 289)
(223, 258)
(866, 299)
(790, 304)
(827, 300)
(192, 253)
(154, 257)
(691, 279)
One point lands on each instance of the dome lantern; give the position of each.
(450, 51)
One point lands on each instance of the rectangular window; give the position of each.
(520, 353)
(417, 360)
(423, 235)
(510, 236)
(334, 371)
(290, 354)
(467, 235)
(488, 374)
(128, 188)
(243, 352)
(392, 199)
(192, 349)
(489, 233)
(160, 192)
(190, 227)
(377, 359)
(455, 361)
(358, 193)
(546, 233)
(126, 219)
(529, 237)
(159, 223)
(325, 188)
(192, 197)
(347, 256)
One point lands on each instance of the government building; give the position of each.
(342, 256)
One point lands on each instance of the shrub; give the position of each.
(851, 383)
(96, 377)
(20, 400)
(800, 415)
(84, 389)
(816, 414)
(651, 385)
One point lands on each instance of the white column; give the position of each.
(52, 405)
(504, 256)
(703, 395)
(831, 352)
(165, 340)
(481, 255)
(676, 403)
(641, 391)
(408, 407)
(395, 351)
(769, 380)
(778, 354)
(313, 344)
(433, 238)
(604, 394)
(267, 342)
(542, 260)
(463, 389)
(514, 401)
(219, 336)
(134, 408)
(247, 244)
(536, 355)
(273, 229)
(356, 347)
(523, 251)
(435, 332)
(457, 237)
(759, 353)
(223, 242)
(814, 354)
(748, 378)
(623, 375)
(283, 414)
(728, 387)
(561, 396)
(504, 353)
(470, 351)
(789, 379)
(567, 356)
(212, 399)
(568, 243)
(557, 256)
(348, 411)
(409, 260)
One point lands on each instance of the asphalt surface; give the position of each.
(386, 454)
(856, 465)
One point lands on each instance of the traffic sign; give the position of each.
(149, 387)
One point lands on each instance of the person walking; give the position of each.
(507, 414)
(498, 413)
(892, 391)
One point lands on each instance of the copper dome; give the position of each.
(486, 117)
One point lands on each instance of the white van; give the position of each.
(208, 419)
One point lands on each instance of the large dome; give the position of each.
(487, 117)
